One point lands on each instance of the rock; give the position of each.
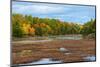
(63, 49)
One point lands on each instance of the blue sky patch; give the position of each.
(69, 13)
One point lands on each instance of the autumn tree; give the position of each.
(27, 25)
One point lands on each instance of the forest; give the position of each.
(26, 25)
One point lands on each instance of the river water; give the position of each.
(50, 61)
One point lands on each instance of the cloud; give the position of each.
(63, 12)
(39, 9)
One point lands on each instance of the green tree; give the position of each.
(17, 31)
(89, 27)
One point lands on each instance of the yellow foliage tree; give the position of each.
(31, 31)
(27, 29)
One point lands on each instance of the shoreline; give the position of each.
(25, 53)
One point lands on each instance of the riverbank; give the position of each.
(75, 50)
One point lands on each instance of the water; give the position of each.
(45, 61)
(90, 58)
(69, 38)
(51, 61)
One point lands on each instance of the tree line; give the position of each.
(26, 25)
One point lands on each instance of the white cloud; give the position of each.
(62, 12)
(71, 16)
(41, 9)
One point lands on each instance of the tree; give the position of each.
(42, 29)
(17, 31)
(26, 25)
(89, 27)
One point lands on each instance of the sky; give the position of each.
(69, 13)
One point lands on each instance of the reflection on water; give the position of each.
(51, 61)
(45, 61)
(69, 37)
(90, 58)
